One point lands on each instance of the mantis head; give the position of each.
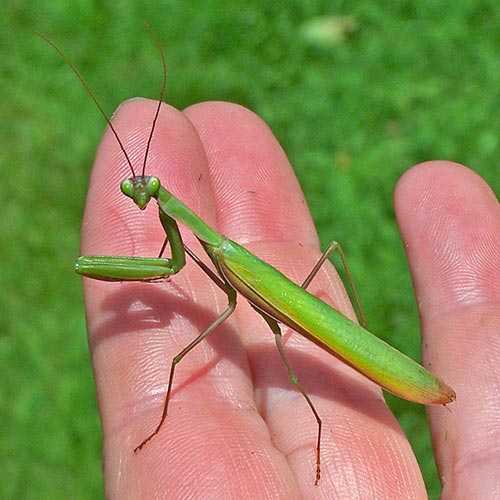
(141, 189)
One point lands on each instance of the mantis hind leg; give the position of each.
(273, 324)
(334, 246)
(231, 295)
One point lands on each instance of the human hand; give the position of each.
(236, 427)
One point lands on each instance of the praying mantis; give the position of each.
(277, 299)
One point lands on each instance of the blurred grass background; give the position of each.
(356, 92)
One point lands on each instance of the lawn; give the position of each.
(354, 103)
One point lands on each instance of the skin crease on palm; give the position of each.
(236, 427)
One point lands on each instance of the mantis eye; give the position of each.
(152, 185)
(127, 187)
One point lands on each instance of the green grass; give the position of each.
(414, 82)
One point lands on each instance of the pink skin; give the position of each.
(236, 428)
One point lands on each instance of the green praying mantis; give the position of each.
(271, 294)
